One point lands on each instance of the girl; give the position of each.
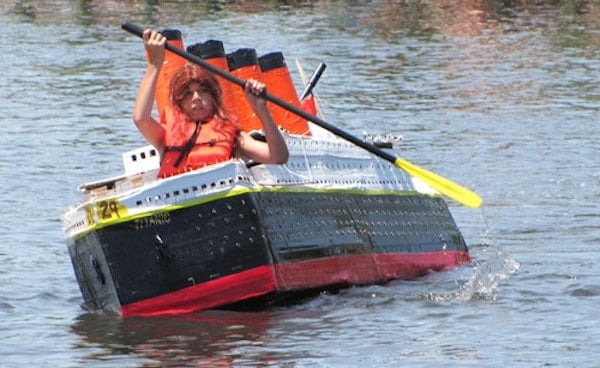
(198, 131)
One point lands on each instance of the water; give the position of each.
(505, 101)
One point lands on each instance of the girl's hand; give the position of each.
(154, 43)
(254, 93)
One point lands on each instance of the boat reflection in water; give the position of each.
(207, 339)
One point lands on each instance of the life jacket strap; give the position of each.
(188, 145)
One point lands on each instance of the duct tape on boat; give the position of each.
(105, 211)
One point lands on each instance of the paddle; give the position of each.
(445, 186)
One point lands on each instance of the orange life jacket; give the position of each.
(214, 142)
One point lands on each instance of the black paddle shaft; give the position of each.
(138, 31)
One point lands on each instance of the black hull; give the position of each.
(253, 244)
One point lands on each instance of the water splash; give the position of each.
(491, 266)
(485, 281)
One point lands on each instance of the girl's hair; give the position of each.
(193, 73)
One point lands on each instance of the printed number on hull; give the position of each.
(104, 211)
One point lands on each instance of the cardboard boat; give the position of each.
(245, 234)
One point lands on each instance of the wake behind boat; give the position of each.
(335, 215)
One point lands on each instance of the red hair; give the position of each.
(192, 73)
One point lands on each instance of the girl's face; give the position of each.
(197, 102)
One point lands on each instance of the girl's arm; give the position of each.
(275, 150)
(150, 128)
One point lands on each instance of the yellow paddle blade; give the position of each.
(446, 187)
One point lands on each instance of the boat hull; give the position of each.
(260, 243)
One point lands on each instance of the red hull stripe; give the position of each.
(225, 290)
(364, 268)
(348, 269)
